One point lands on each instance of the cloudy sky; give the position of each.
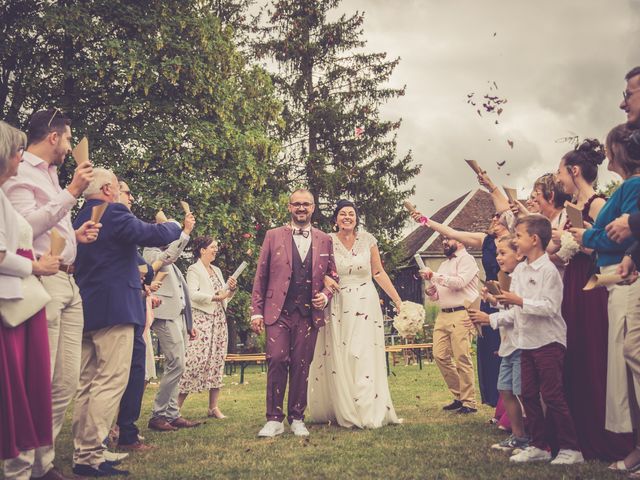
(560, 64)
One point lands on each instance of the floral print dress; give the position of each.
(205, 355)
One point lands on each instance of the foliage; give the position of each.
(335, 141)
(609, 188)
(167, 101)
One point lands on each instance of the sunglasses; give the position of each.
(55, 112)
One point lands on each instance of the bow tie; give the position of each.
(299, 231)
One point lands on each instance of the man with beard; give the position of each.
(455, 283)
(288, 300)
(37, 195)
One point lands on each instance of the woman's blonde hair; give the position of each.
(11, 139)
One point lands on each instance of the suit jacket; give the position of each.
(174, 292)
(107, 269)
(201, 288)
(273, 273)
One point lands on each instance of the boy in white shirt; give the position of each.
(541, 335)
(509, 378)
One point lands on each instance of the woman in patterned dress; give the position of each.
(205, 354)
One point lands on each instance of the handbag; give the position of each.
(18, 310)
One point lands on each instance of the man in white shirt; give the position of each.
(37, 195)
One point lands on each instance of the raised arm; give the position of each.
(500, 201)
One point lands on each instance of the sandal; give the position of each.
(620, 466)
(215, 413)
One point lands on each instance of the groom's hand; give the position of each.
(257, 325)
(319, 301)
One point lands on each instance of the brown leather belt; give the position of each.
(68, 269)
(452, 309)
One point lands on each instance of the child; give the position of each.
(509, 384)
(540, 333)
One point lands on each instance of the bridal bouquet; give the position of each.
(410, 319)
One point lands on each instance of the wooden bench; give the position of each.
(243, 359)
(417, 347)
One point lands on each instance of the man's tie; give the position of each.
(299, 231)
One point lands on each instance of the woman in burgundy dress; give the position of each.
(25, 377)
(585, 314)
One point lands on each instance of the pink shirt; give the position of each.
(455, 281)
(36, 194)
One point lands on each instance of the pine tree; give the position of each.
(334, 139)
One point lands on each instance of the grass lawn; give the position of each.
(431, 444)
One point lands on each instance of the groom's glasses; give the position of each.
(301, 204)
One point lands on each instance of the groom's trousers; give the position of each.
(291, 342)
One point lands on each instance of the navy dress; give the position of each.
(489, 343)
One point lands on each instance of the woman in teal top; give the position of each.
(623, 305)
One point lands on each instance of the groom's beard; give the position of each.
(301, 224)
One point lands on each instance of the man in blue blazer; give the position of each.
(109, 281)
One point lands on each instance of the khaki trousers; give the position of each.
(452, 341)
(106, 361)
(65, 324)
(623, 351)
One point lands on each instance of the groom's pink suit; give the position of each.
(283, 288)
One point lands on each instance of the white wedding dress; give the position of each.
(348, 376)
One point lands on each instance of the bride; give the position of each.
(348, 377)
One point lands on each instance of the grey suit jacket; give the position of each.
(174, 292)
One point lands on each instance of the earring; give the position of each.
(335, 228)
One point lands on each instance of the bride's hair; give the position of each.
(342, 203)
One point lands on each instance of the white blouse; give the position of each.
(15, 233)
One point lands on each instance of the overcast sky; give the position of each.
(560, 64)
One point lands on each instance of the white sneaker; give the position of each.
(271, 429)
(114, 457)
(298, 428)
(531, 454)
(568, 457)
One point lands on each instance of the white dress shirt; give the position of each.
(303, 244)
(36, 194)
(539, 321)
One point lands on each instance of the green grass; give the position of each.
(431, 444)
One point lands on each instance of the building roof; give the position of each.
(471, 212)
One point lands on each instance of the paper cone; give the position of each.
(98, 211)
(185, 207)
(493, 287)
(57, 243)
(475, 305)
(144, 269)
(504, 281)
(409, 206)
(81, 151)
(474, 166)
(161, 217)
(600, 280)
(512, 194)
(159, 277)
(157, 265)
(574, 214)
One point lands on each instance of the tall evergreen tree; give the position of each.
(335, 141)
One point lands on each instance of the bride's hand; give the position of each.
(331, 285)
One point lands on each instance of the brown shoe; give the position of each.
(182, 422)
(159, 424)
(135, 447)
(54, 474)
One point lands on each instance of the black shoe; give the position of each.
(103, 470)
(455, 405)
(465, 410)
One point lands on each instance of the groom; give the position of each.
(288, 299)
